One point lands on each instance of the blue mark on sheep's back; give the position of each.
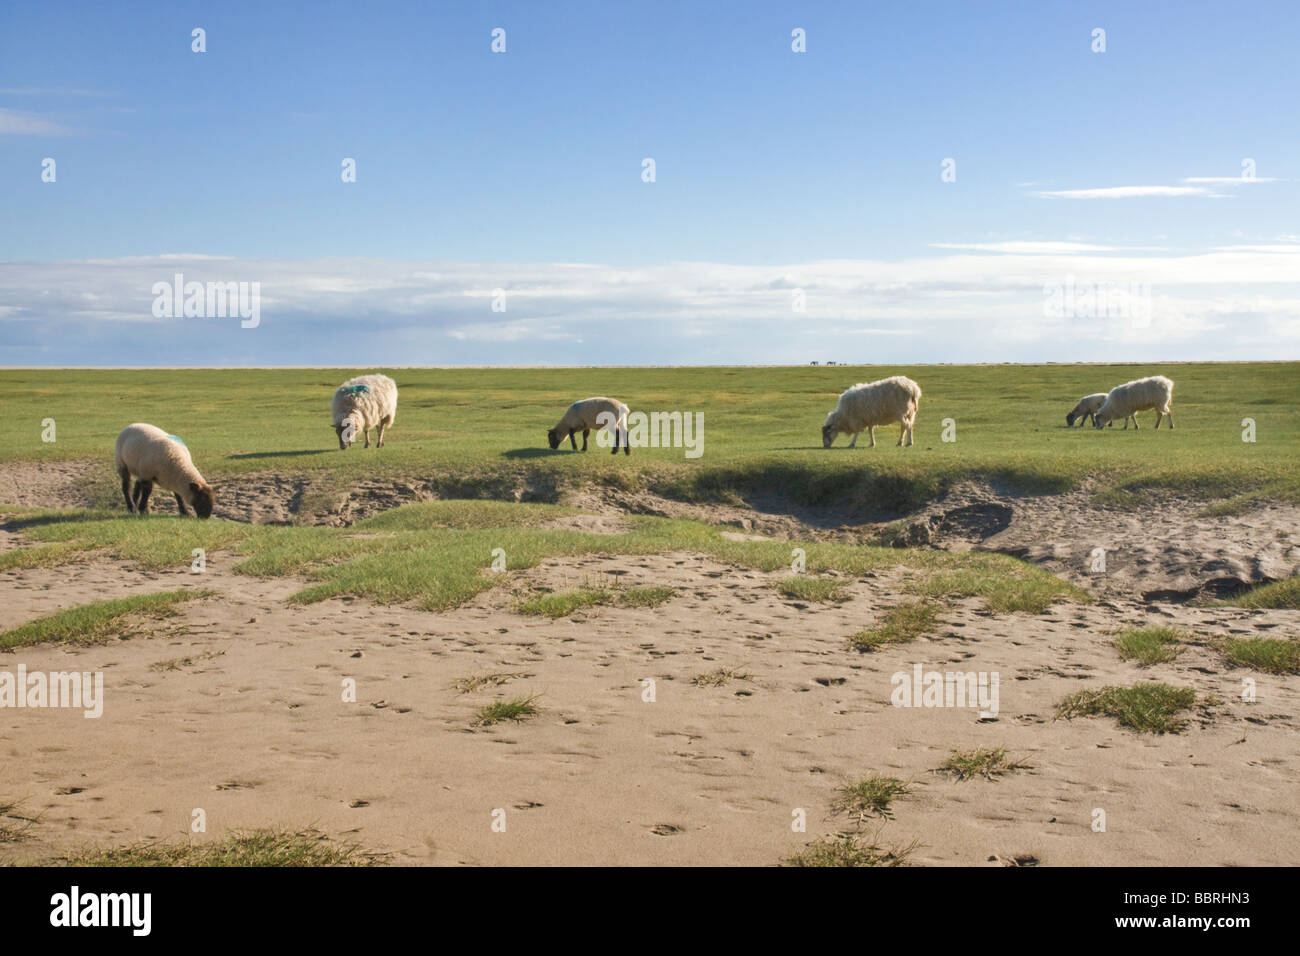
(354, 389)
(176, 439)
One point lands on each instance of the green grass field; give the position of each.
(478, 428)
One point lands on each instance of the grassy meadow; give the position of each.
(480, 429)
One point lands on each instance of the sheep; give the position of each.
(588, 414)
(876, 403)
(1086, 409)
(155, 458)
(363, 403)
(1125, 401)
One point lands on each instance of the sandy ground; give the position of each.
(254, 731)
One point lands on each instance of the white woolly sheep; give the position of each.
(875, 403)
(363, 403)
(591, 413)
(1086, 409)
(153, 457)
(1125, 401)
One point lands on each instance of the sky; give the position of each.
(923, 182)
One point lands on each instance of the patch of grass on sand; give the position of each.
(850, 849)
(13, 825)
(467, 685)
(1007, 585)
(435, 554)
(870, 796)
(1150, 708)
(268, 847)
(1272, 655)
(720, 677)
(1150, 645)
(564, 603)
(645, 597)
(97, 622)
(1280, 595)
(45, 556)
(902, 624)
(982, 762)
(518, 709)
(812, 589)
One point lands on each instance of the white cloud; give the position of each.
(18, 123)
(1126, 192)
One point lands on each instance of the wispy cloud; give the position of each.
(1230, 180)
(18, 123)
(1125, 192)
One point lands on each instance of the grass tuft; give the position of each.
(870, 796)
(850, 849)
(1150, 645)
(982, 762)
(813, 589)
(902, 624)
(307, 847)
(1280, 595)
(467, 685)
(1147, 708)
(97, 622)
(519, 709)
(1272, 655)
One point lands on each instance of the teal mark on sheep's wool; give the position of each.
(354, 389)
(176, 439)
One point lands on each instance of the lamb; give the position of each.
(1125, 401)
(1085, 409)
(363, 403)
(876, 403)
(154, 457)
(588, 414)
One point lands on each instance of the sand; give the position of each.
(254, 731)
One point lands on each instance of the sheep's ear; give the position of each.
(194, 487)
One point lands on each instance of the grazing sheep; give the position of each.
(588, 414)
(876, 403)
(155, 458)
(363, 403)
(1125, 401)
(1086, 409)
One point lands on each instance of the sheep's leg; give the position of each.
(143, 489)
(1170, 416)
(627, 443)
(854, 443)
(180, 505)
(379, 433)
(871, 433)
(366, 432)
(585, 433)
(1136, 426)
(126, 491)
(1158, 417)
(573, 441)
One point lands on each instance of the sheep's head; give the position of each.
(1099, 419)
(553, 436)
(202, 498)
(347, 432)
(1069, 418)
(830, 430)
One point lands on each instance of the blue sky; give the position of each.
(775, 171)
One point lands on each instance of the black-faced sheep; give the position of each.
(1125, 401)
(1086, 409)
(153, 457)
(591, 413)
(363, 403)
(875, 403)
